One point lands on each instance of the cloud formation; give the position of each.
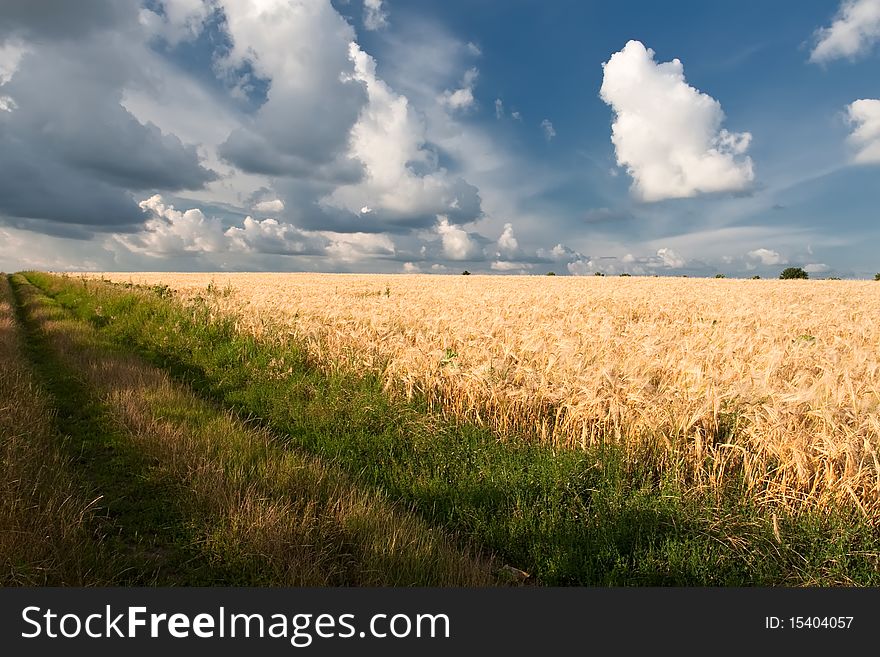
(272, 237)
(855, 29)
(375, 15)
(175, 21)
(507, 242)
(293, 147)
(864, 115)
(457, 243)
(509, 265)
(766, 257)
(668, 134)
(268, 207)
(403, 182)
(11, 53)
(61, 20)
(463, 97)
(670, 259)
(172, 233)
(70, 152)
(314, 97)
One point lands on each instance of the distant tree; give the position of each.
(877, 277)
(756, 278)
(465, 273)
(598, 273)
(551, 273)
(793, 272)
(625, 274)
(833, 278)
(720, 276)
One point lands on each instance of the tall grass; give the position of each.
(237, 508)
(48, 533)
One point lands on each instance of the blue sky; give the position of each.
(415, 136)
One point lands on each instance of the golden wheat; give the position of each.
(778, 381)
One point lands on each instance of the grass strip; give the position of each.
(50, 534)
(246, 511)
(588, 517)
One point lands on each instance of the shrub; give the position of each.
(720, 276)
(793, 272)
(553, 273)
(465, 273)
(877, 277)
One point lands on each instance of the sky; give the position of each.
(405, 136)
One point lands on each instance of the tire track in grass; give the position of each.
(49, 530)
(143, 531)
(204, 499)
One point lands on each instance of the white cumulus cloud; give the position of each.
(558, 253)
(507, 243)
(549, 130)
(864, 115)
(457, 244)
(172, 232)
(766, 256)
(581, 267)
(351, 247)
(508, 265)
(375, 14)
(670, 259)
(855, 29)
(11, 52)
(668, 134)
(301, 48)
(817, 268)
(463, 97)
(275, 205)
(272, 237)
(402, 176)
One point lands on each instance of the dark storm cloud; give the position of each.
(70, 152)
(253, 152)
(36, 185)
(313, 100)
(63, 19)
(466, 204)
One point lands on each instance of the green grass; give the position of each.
(143, 527)
(194, 497)
(49, 533)
(585, 517)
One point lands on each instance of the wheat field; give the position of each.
(774, 382)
